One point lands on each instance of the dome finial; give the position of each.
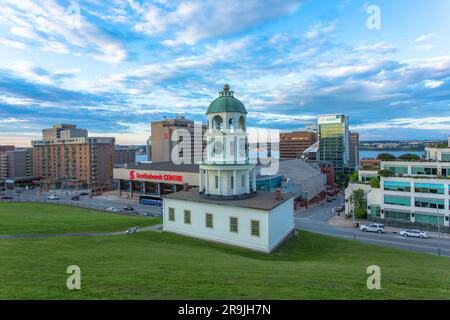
(226, 88)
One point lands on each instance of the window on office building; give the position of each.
(255, 228)
(187, 216)
(209, 220)
(243, 181)
(232, 182)
(234, 225)
(217, 181)
(171, 214)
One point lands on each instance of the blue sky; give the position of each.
(119, 65)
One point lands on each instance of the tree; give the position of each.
(357, 199)
(360, 213)
(354, 177)
(386, 157)
(385, 173)
(342, 180)
(375, 182)
(409, 157)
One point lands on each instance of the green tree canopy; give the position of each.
(409, 157)
(375, 182)
(386, 157)
(354, 177)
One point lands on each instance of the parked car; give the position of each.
(53, 197)
(128, 208)
(6, 198)
(414, 233)
(75, 198)
(84, 193)
(340, 209)
(112, 209)
(18, 190)
(372, 227)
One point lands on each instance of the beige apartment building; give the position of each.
(293, 144)
(67, 156)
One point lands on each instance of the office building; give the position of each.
(334, 140)
(227, 208)
(169, 133)
(67, 156)
(354, 149)
(293, 144)
(411, 194)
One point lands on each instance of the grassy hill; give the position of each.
(154, 265)
(36, 218)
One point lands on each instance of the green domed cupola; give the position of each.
(226, 102)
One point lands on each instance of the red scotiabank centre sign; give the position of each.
(161, 177)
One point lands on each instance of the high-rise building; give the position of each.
(125, 155)
(15, 162)
(67, 154)
(293, 144)
(354, 148)
(163, 143)
(334, 140)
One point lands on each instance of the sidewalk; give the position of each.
(340, 221)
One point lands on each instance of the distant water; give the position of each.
(141, 157)
(362, 154)
(373, 154)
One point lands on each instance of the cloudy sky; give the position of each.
(114, 66)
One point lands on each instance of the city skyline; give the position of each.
(116, 67)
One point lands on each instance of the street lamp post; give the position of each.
(439, 232)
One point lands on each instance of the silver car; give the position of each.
(415, 234)
(372, 227)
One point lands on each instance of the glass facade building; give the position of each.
(334, 140)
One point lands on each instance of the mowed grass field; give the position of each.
(158, 265)
(35, 218)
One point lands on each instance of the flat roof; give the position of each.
(261, 201)
(165, 166)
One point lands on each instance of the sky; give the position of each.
(114, 66)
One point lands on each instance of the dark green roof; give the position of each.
(226, 103)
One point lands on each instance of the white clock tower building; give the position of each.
(227, 208)
(227, 172)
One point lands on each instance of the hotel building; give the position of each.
(66, 155)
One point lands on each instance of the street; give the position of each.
(86, 201)
(316, 220)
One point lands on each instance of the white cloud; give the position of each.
(427, 123)
(203, 19)
(12, 120)
(12, 43)
(426, 37)
(52, 27)
(431, 84)
(377, 47)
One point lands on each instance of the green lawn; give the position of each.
(35, 218)
(155, 265)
